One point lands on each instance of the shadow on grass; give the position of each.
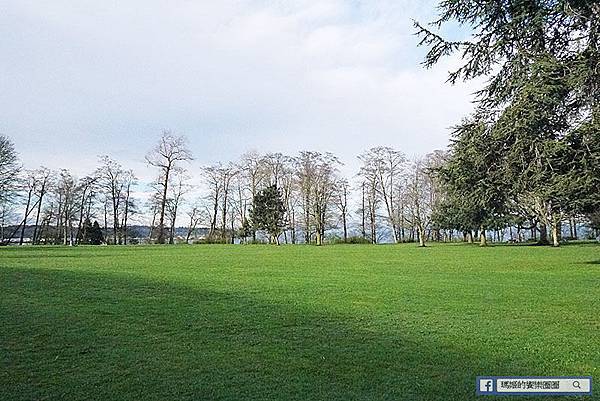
(81, 336)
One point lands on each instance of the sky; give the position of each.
(87, 78)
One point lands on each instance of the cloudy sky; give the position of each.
(85, 78)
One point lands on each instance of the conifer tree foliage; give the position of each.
(268, 212)
(538, 114)
(95, 236)
(90, 234)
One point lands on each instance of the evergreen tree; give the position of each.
(268, 212)
(95, 234)
(83, 235)
(541, 104)
(476, 190)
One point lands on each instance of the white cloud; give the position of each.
(85, 78)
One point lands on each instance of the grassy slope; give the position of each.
(298, 323)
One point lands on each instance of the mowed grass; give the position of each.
(292, 322)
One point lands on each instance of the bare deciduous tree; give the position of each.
(197, 214)
(316, 176)
(111, 177)
(166, 156)
(386, 165)
(418, 191)
(177, 189)
(44, 178)
(342, 189)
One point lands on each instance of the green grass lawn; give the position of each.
(218, 322)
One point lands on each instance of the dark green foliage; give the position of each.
(351, 240)
(83, 233)
(358, 240)
(508, 36)
(534, 151)
(246, 230)
(474, 185)
(595, 219)
(95, 235)
(90, 234)
(268, 212)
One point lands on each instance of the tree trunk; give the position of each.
(556, 233)
(25, 218)
(364, 229)
(543, 234)
(213, 222)
(232, 227)
(482, 237)
(115, 221)
(163, 205)
(224, 216)
(318, 237)
(105, 222)
(125, 217)
(373, 224)
(37, 217)
(421, 233)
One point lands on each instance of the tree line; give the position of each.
(529, 154)
(260, 197)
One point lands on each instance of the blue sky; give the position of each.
(81, 79)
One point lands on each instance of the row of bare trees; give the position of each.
(63, 203)
(57, 204)
(390, 198)
(398, 195)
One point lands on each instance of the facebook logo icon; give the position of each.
(486, 385)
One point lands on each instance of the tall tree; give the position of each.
(543, 85)
(316, 176)
(178, 189)
(67, 207)
(111, 178)
(252, 179)
(44, 179)
(419, 198)
(227, 174)
(167, 156)
(95, 234)
(473, 178)
(268, 212)
(30, 186)
(214, 178)
(371, 200)
(386, 166)
(341, 201)
(9, 173)
(129, 203)
(197, 214)
(85, 189)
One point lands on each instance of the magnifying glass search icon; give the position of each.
(576, 384)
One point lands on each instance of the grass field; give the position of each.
(292, 323)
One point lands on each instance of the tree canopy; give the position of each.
(267, 212)
(530, 146)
